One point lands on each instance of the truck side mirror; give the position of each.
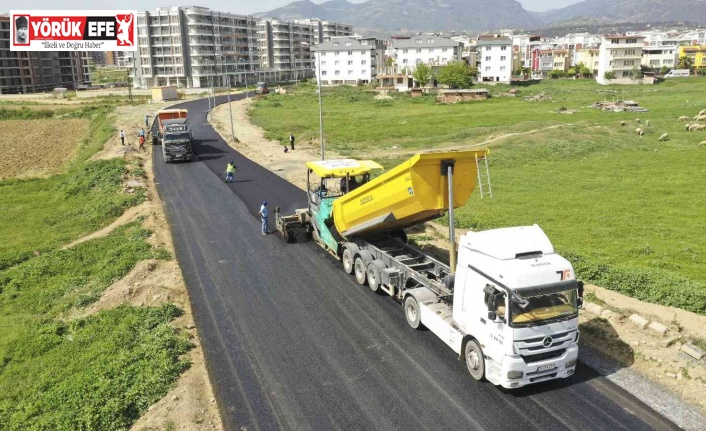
(492, 315)
(579, 300)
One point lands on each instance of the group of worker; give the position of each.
(141, 138)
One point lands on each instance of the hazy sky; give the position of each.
(238, 6)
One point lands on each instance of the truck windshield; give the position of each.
(174, 137)
(545, 307)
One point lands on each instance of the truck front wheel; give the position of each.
(474, 360)
(412, 312)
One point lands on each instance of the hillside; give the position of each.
(630, 11)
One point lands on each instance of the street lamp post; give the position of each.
(321, 109)
(245, 75)
(230, 109)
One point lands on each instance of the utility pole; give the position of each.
(129, 85)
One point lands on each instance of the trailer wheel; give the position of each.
(374, 271)
(412, 312)
(347, 260)
(360, 270)
(475, 360)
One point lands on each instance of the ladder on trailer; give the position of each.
(483, 176)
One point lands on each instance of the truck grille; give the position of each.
(543, 356)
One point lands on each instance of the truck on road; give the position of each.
(508, 308)
(175, 135)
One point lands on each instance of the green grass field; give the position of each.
(627, 210)
(98, 372)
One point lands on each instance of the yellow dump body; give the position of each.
(409, 194)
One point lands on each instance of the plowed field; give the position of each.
(38, 147)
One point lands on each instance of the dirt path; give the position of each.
(612, 333)
(190, 405)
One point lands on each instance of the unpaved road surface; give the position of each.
(292, 342)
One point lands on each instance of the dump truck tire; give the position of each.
(360, 270)
(348, 259)
(412, 312)
(374, 272)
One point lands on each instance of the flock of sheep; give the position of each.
(689, 127)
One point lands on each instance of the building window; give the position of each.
(350, 52)
(323, 63)
(430, 40)
(335, 63)
(503, 48)
(348, 44)
(557, 65)
(404, 51)
(335, 54)
(503, 57)
(364, 62)
(404, 61)
(431, 50)
(487, 68)
(363, 42)
(323, 72)
(350, 62)
(417, 41)
(364, 72)
(629, 52)
(336, 44)
(502, 68)
(654, 63)
(629, 62)
(487, 58)
(350, 72)
(419, 50)
(322, 54)
(487, 48)
(338, 72)
(630, 40)
(444, 49)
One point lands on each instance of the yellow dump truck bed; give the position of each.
(409, 194)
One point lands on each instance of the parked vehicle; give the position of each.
(509, 308)
(677, 73)
(262, 88)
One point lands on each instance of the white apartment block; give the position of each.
(495, 58)
(673, 37)
(657, 57)
(285, 48)
(619, 54)
(430, 49)
(326, 30)
(523, 45)
(348, 60)
(194, 47)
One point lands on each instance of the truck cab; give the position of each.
(520, 301)
(176, 140)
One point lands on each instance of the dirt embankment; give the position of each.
(612, 333)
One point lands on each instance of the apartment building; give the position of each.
(285, 48)
(431, 49)
(495, 57)
(547, 60)
(326, 30)
(660, 56)
(619, 54)
(696, 53)
(29, 72)
(347, 60)
(194, 47)
(589, 57)
(523, 46)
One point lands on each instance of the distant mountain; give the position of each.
(390, 16)
(413, 15)
(617, 11)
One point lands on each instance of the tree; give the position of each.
(609, 75)
(685, 62)
(664, 70)
(572, 72)
(422, 73)
(456, 75)
(473, 71)
(636, 73)
(389, 61)
(585, 71)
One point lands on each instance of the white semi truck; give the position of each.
(509, 308)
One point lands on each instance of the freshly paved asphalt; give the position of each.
(292, 342)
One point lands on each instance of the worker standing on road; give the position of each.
(122, 137)
(141, 132)
(230, 170)
(263, 217)
(291, 140)
(142, 142)
(147, 120)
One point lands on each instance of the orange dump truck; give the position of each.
(167, 114)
